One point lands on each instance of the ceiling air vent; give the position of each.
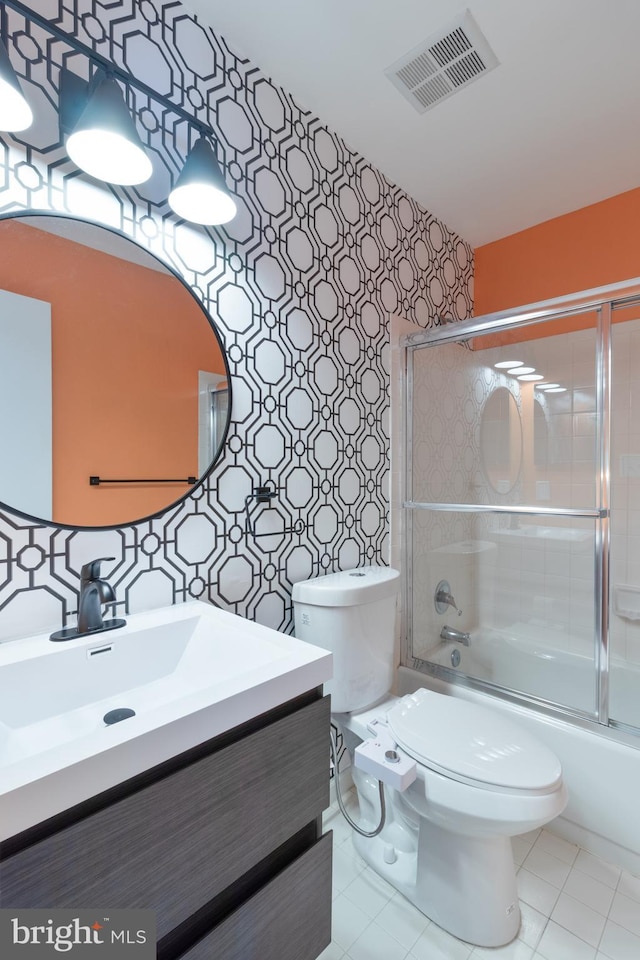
(442, 64)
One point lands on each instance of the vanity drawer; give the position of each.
(179, 842)
(288, 919)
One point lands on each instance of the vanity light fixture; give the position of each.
(200, 194)
(101, 133)
(507, 364)
(15, 112)
(104, 142)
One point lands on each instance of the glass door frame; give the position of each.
(601, 301)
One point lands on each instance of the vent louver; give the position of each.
(444, 63)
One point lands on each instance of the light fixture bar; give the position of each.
(111, 68)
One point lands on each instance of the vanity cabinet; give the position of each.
(224, 842)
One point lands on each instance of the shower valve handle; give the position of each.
(444, 598)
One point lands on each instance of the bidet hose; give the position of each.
(383, 809)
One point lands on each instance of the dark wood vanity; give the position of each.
(224, 842)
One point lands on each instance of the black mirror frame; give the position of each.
(26, 212)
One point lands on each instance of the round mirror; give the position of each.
(501, 440)
(114, 387)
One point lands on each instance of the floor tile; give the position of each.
(579, 919)
(559, 944)
(630, 886)
(547, 867)
(618, 943)
(532, 924)
(369, 892)
(345, 869)
(588, 890)
(626, 912)
(333, 952)
(402, 920)
(348, 922)
(557, 847)
(516, 950)
(597, 868)
(376, 944)
(437, 944)
(537, 892)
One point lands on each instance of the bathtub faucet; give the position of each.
(449, 633)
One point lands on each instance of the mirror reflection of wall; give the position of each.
(501, 440)
(128, 340)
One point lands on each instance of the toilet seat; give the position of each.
(466, 742)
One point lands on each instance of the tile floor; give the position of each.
(574, 907)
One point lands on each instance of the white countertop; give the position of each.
(223, 671)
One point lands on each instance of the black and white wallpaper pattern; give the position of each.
(301, 285)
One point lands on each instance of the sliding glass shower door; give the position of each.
(507, 507)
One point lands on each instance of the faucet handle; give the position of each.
(443, 598)
(91, 570)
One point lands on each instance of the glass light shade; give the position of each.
(105, 142)
(15, 112)
(507, 364)
(200, 194)
(516, 371)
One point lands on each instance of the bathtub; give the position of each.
(601, 766)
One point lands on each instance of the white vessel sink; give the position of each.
(189, 672)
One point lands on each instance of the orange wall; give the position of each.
(127, 343)
(590, 247)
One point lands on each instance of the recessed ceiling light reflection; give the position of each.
(531, 376)
(557, 390)
(516, 371)
(547, 386)
(506, 364)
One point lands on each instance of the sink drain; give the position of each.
(114, 716)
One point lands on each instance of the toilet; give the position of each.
(479, 778)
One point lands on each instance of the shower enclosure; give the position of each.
(523, 495)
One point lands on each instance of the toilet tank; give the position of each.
(352, 614)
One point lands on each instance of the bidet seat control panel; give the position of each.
(381, 759)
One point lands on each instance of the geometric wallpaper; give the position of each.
(300, 285)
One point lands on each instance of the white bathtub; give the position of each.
(601, 767)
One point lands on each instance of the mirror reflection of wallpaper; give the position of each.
(301, 284)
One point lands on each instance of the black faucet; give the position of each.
(94, 592)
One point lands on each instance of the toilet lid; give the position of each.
(469, 742)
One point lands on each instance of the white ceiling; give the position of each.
(554, 127)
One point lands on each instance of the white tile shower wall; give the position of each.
(300, 284)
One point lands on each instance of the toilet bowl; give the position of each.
(479, 779)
